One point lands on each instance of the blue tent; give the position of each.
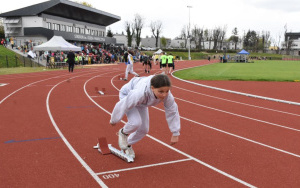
(243, 52)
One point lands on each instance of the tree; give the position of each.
(138, 25)
(197, 34)
(85, 4)
(2, 35)
(156, 29)
(234, 37)
(222, 36)
(251, 40)
(183, 35)
(265, 39)
(216, 36)
(129, 32)
(163, 41)
(288, 41)
(109, 33)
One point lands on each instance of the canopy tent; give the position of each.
(56, 43)
(158, 51)
(242, 56)
(243, 52)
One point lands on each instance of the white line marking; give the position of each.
(3, 84)
(239, 93)
(237, 102)
(82, 162)
(266, 122)
(145, 166)
(172, 148)
(237, 136)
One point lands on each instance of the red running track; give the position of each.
(50, 122)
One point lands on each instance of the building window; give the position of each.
(63, 28)
(77, 30)
(56, 27)
(81, 30)
(49, 25)
(87, 31)
(69, 29)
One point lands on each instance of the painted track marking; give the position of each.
(145, 166)
(82, 162)
(238, 115)
(279, 111)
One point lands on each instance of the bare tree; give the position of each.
(156, 29)
(216, 36)
(183, 35)
(197, 34)
(222, 35)
(138, 25)
(265, 39)
(277, 43)
(129, 32)
(234, 37)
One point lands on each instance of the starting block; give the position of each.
(105, 149)
(100, 92)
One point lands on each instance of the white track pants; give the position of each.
(137, 125)
(129, 68)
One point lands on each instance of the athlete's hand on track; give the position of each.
(174, 139)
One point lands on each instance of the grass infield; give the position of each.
(284, 71)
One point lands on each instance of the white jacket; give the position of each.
(138, 92)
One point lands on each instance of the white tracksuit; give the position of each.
(129, 67)
(135, 97)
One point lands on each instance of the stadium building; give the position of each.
(75, 22)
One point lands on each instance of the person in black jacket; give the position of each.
(71, 60)
(126, 57)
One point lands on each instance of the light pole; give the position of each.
(189, 39)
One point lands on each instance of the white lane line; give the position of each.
(239, 93)
(32, 84)
(237, 136)
(279, 111)
(3, 84)
(238, 115)
(145, 166)
(82, 162)
(25, 87)
(172, 148)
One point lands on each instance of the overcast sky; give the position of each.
(258, 15)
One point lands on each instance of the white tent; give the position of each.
(158, 51)
(56, 43)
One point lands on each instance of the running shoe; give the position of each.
(130, 152)
(123, 143)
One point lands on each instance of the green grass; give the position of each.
(11, 58)
(288, 71)
(18, 70)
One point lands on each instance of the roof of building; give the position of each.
(66, 9)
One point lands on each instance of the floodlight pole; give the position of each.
(189, 39)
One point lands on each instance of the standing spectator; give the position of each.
(71, 60)
(12, 43)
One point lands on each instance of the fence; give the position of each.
(7, 61)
